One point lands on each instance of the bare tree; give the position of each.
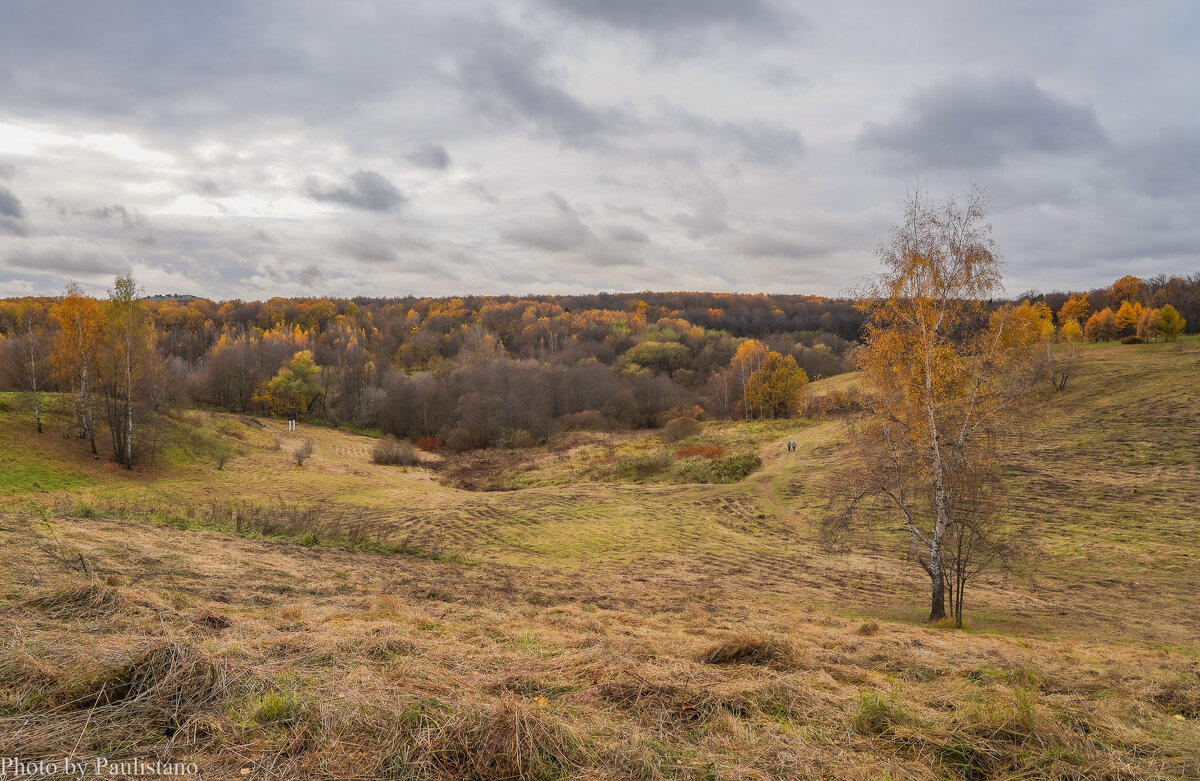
(32, 352)
(303, 452)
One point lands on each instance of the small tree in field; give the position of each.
(303, 452)
(1128, 315)
(32, 351)
(1102, 326)
(1149, 324)
(1170, 324)
(1070, 331)
(943, 378)
(774, 389)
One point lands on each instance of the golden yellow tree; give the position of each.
(80, 333)
(942, 376)
(1170, 323)
(1077, 308)
(749, 356)
(1128, 315)
(774, 389)
(1071, 331)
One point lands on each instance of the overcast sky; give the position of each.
(250, 149)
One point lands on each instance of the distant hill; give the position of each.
(172, 297)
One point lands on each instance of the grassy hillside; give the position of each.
(344, 619)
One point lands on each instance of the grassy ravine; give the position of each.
(266, 617)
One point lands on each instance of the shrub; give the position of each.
(1131, 340)
(515, 437)
(644, 466)
(725, 469)
(303, 452)
(588, 420)
(394, 452)
(700, 451)
(430, 443)
(680, 428)
(836, 402)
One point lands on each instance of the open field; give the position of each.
(344, 619)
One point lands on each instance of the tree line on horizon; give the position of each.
(461, 372)
(477, 371)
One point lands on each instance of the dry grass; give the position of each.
(607, 630)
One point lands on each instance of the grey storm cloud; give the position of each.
(68, 255)
(10, 205)
(373, 247)
(979, 123)
(309, 275)
(671, 15)
(562, 232)
(626, 233)
(566, 232)
(135, 224)
(504, 76)
(1165, 166)
(775, 244)
(755, 142)
(12, 214)
(431, 156)
(709, 212)
(729, 144)
(368, 190)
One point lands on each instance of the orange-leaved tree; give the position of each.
(80, 333)
(1102, 326)
(1148, 325)
(1077, 308)
(943, 377)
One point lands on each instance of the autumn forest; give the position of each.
(473, 372)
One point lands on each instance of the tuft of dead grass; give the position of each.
(92, 600)
(770, 651)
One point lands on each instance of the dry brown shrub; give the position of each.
(700, 451)
(430, 443)
(395, 452)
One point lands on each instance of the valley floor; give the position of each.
(602, 629)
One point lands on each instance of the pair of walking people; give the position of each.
(791, 447)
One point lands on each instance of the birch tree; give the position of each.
(129, 352)
(942, 378)
(32, 353)
(76, 342)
